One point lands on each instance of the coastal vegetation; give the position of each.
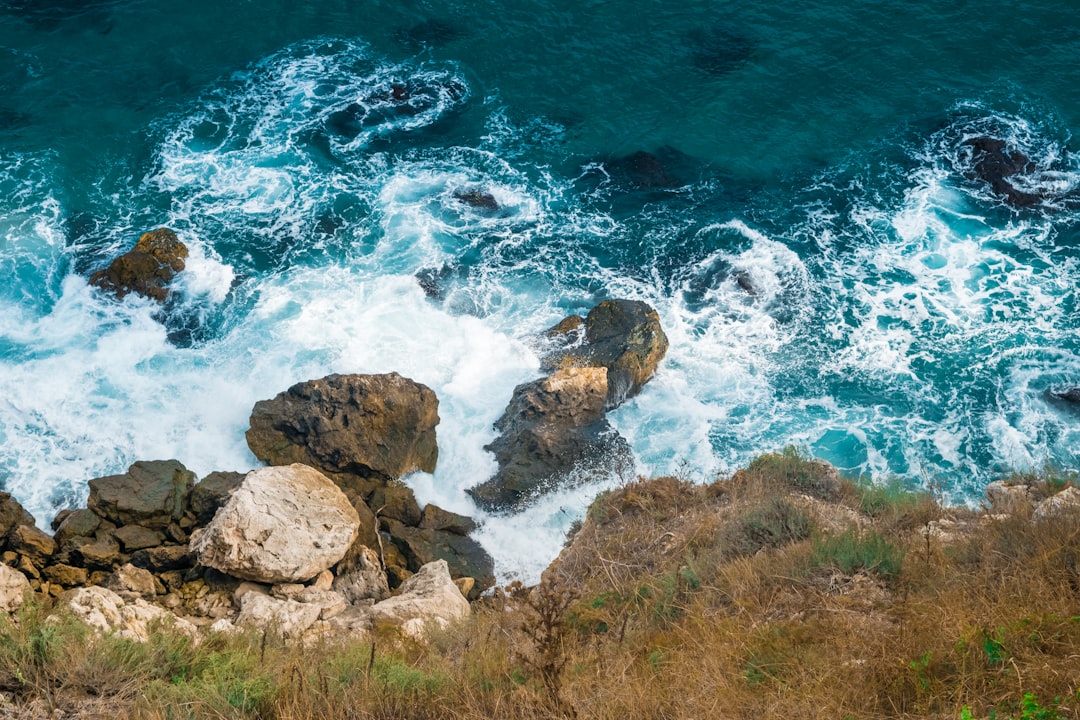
(781, 591)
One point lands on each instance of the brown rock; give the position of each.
(136, 537)
(12, 515)
(32, 542)
(464, 556)
(150, 493)
(65, 575)
(368, 425)
(147, 269)
(129, 581)
(551, 427)
(211, 493)
(396, 500)
(164, 558)
(77, 523)
(435, 518)
(623, 336)
(101, 554)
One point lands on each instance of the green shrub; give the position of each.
(852, 551)
(775, 523)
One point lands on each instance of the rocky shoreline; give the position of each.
(326, 539)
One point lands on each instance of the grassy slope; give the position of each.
(775, 593)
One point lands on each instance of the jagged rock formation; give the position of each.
(147, 269)
(554, 429)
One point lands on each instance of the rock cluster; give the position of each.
(555, 428)
(300, 548)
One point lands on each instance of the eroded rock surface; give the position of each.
(368, 425)
(282, 524)
(147, 269)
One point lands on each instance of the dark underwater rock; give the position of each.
(405, 99)
(147, 269)
(50, 15)
(477, 199)
(380, 426)
(719, 50)
(994, 163)
(430, 33)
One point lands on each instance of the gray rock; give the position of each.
(427, 598)
(14, 588)
(211, 493)
(150, 493)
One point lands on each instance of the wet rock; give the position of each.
(283, 524)
(14, 588)
(435, 518)
(994, 162)
(427, 598)
(463, 555)
(388, 104)
(369, 425)
(477, 199)
(211, 493)
(551, 426)
(150, 493)
(623, 336)
(147, 269)
(136, 537)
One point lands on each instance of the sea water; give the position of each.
(830, 273)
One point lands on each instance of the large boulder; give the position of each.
(147, 269)
(283, 524)
(14, 587)
(551, 427)
(427, 598)
(151, 494)
(369, 425)
(623, 336)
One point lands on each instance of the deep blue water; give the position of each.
(902, 319)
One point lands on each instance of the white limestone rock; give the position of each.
(281, 525)
(13, 589)
(428, 597)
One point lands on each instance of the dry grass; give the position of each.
(772, 594)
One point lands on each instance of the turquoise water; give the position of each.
(903, 320)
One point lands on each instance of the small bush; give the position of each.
(775, 523)
(791, 469)
(852, 551)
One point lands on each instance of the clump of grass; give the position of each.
(774, 523)
(793, 470)
(853, 551)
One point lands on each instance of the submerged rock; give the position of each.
(551, 426)
(719, 50)
(477, 199)
(147, 269)
(379, 426)
(283, 524)
(994, 163)
(623, 336)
